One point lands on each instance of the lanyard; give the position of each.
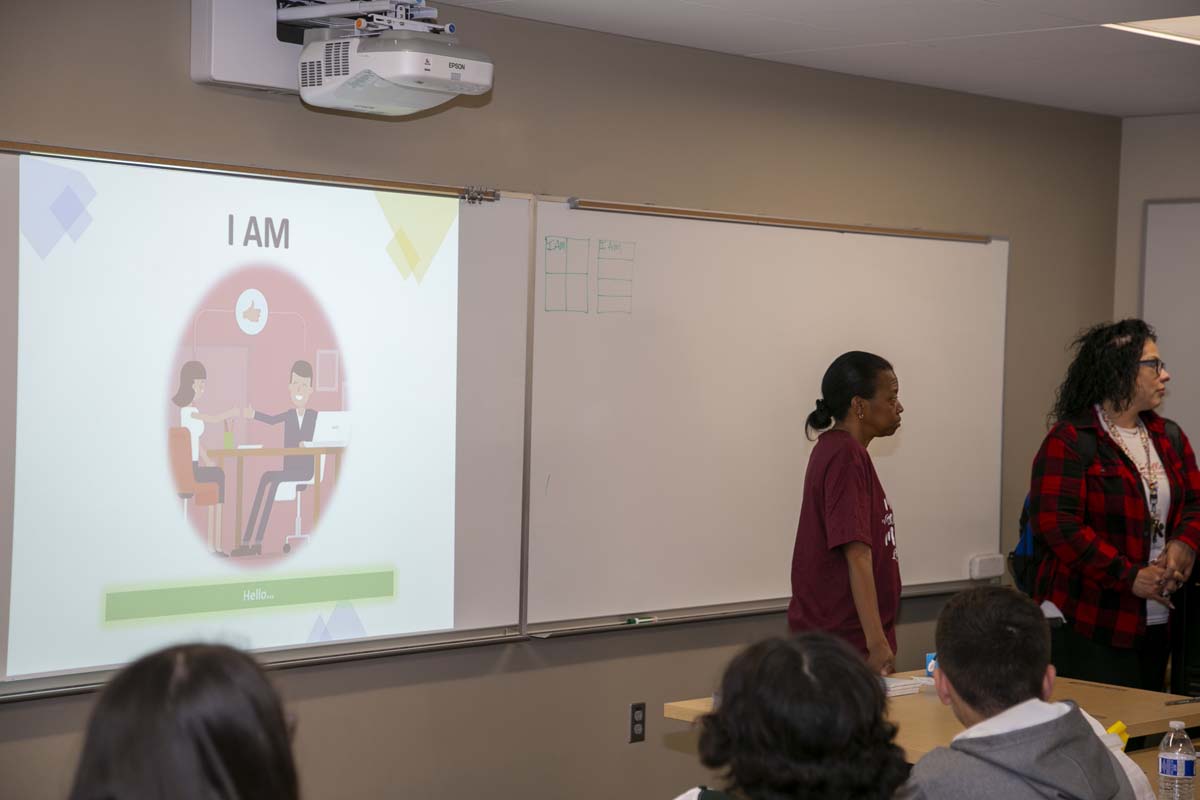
(1148, 473)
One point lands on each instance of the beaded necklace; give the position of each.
(1149, 473)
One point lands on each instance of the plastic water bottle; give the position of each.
(1176, 765)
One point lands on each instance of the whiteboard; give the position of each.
(1170, 286)
(674, 363)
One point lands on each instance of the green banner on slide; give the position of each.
(244, 595)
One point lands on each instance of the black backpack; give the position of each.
(1026, 558)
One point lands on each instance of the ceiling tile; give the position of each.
(1177, 26)
(673, 22)
(1106, 10)
(1087, 69)
(881, 21)
(1051, 52)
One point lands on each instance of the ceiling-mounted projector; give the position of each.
(392, 73)
(389, 57)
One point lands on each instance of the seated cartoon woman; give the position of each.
(192, 382)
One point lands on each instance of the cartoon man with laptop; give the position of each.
(299, 425)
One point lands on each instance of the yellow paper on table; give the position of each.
(1119, 729)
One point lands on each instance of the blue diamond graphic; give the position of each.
(66, 207)
(79, 226)
(53, 201)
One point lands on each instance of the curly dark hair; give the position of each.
(803, 718)
(1104, 369)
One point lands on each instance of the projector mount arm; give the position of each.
(362, 18)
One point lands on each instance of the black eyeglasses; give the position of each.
(1156, 364)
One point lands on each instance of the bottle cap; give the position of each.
(1176, 725)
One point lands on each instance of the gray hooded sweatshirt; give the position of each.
(1062, 759)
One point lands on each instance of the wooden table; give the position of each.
(240, 454)
(924, 723)
(1148, 760)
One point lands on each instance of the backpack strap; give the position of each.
(1085, 441)
(1174, 436)
(1085, 430)
(1085, 445)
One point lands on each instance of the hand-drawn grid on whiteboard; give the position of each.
(614, 276)
(567, 274)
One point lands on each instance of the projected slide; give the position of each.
(236, 407)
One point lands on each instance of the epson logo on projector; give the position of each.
(456, 65)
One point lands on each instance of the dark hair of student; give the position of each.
(193, 722)
(803, 718)
(1105, 368)
(303, 369)
(993, 643)
(189, 372)
(851, 375)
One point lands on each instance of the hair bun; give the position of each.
(822, 406)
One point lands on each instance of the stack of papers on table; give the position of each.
(897, 687)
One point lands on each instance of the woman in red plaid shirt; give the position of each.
(1120, 529)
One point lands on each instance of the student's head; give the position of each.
(862, 385)
(803, 718)
(1116, 363)
(993, 652)
(192, 379)
(194, 722)
(300, 383)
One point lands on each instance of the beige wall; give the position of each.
(536, 720)
(1158, 162)
(598, 116)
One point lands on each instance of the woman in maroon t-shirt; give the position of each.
(845, 573)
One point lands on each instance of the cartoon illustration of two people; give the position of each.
(193, 380)
(299, 425)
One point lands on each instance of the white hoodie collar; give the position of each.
(1022, 715)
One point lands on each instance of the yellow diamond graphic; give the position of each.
(419, 225)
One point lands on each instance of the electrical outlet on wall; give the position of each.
(637, 722)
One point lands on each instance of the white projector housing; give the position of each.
(391, 73)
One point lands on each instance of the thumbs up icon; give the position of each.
(252, 313)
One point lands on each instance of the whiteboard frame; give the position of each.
(755, 608)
